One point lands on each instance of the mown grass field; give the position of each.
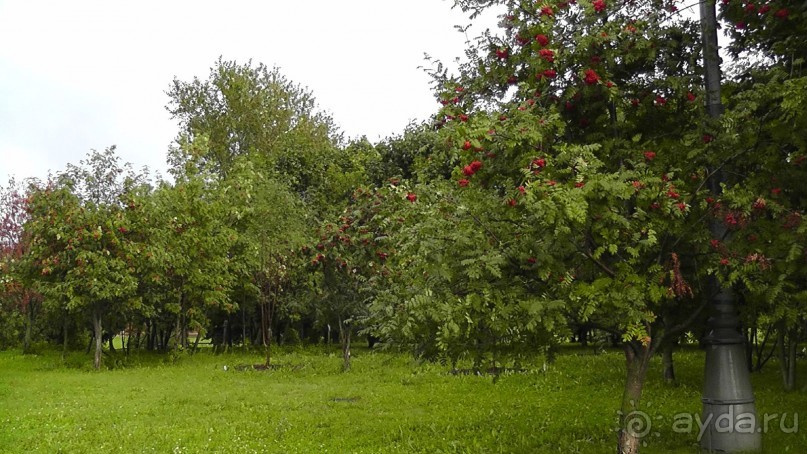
(386, 403)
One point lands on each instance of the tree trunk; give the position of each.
(244, 323)
(344, 338)
(149, 336)
(268, 350)
(478, 355)
(29, 323)
(166, 339)
(271, 313)
(129, 332)
(787, 358)
(346, 351)
(182, 325)
(791, 373)
(751, 345)
(138, 337)
(633, 424)
(669, 366)
(196, 342)
(224, 335)
(89, 344)
(99, 340)
(266, 339)
(64, 338)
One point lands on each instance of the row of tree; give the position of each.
(571, 180)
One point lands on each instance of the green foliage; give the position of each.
(584, 136)
(80, 257)
(464, 281)
(772, 32)
(349, 260)
(762, 207)
(246, 110)
(417, 154)
(186, 269)
(15, 297)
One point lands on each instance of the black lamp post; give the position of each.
(729, 414)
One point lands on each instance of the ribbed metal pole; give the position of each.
(729, 413)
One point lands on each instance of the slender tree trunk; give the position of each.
(268, 350)
(185, 330)
(99, 341)
(29, 323)
(270, 317)
(751, 346)
(268, 345)
(782, 347)
(138, 337)
(89, 344)
(787, 358)
(265, 339)
(632, 423)
(182, 324)
(760, 357)
(64, 338)
(244, 323)
(344, 338)
(346, 350)
(229, 332)
(669, 365)
(225, 335)
(478, 355)
(111, 343)
(166, 339)
(791, 364)
(128, 332)
(151, 342)
(196, 342)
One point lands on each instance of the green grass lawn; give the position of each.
(387, 403)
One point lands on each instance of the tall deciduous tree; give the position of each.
(191, 242)
(272, 226)
(349, 257)
(251, 110)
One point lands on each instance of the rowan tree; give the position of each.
(584, 118)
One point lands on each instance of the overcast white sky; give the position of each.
(83, 74)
